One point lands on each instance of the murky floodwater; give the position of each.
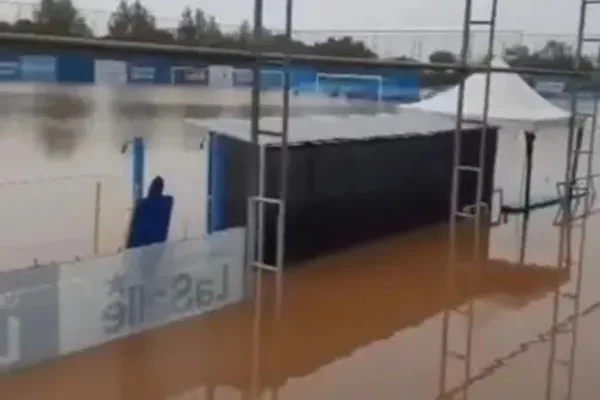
(59, 144)
(365, 323)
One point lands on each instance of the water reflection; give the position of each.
(563, 301)
(359, 323)
(61, 121)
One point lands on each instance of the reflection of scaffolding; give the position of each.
(477, 209)
(571, 301)
(466, 313)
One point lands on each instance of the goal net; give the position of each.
(369, 86)
(189, 76)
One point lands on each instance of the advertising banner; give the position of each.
(147, 287)
(189, 75)
(140, 73)
(150, 70)
(54, 310)
(550, 87)
(38, 68)
(10, 67)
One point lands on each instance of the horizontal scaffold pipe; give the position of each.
(118, 49)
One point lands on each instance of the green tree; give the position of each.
(244, 34)
(343, 47)
(55, 17)
(197, 29)
(136, 23)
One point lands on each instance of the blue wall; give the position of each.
(79, 68)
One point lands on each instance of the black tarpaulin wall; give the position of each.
(349, 191)
(346, 192)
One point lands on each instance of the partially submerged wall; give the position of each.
(343, 193)
(350, 191)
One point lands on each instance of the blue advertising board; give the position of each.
(10, 67)
(78, 68)
(38, 68)
(152, 70)
(75, 68)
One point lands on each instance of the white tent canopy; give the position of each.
(512, 100)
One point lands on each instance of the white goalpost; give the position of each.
(340, 80)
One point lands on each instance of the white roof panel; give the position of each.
(511, 100)
(333, 127)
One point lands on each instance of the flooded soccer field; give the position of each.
(59, 144)
(362, 323)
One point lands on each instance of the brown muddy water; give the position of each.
(366, 323)
(58, 143)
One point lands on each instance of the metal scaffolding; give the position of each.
(257, 172)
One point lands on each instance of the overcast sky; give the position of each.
(557, 16)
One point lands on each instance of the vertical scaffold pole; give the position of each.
(572, 129)
(477, 207)
(253, 224)
(258, 197)
(253, 167)
(284, 159)
(454, 199)
(258, 190)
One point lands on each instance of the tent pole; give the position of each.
(529, 146)
(524, 231)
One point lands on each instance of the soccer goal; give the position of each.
(189, 75)
(340, 83)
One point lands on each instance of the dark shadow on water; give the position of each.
(134, 119)
(61, 122)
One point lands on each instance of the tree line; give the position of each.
(132, 21)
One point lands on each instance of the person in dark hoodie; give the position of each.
(151, 217)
